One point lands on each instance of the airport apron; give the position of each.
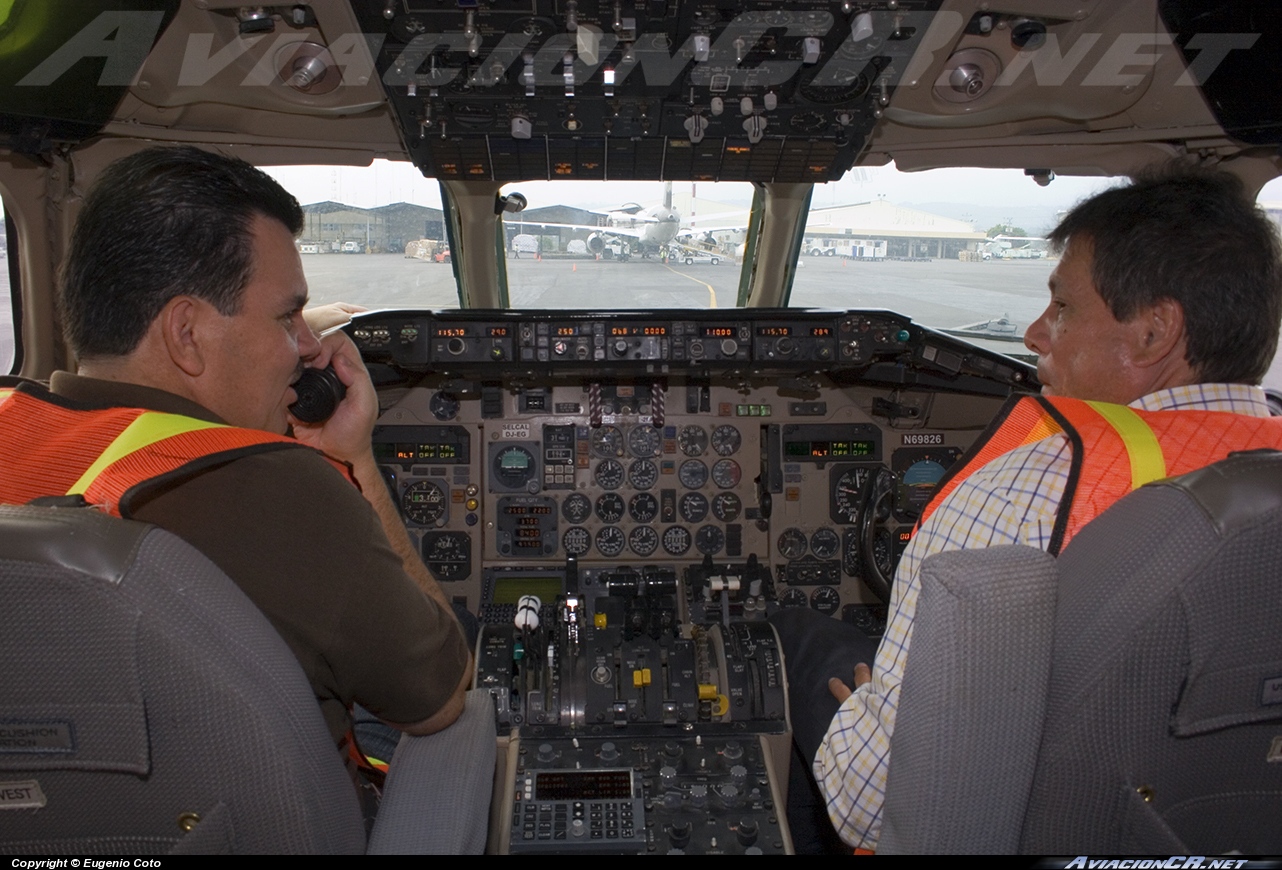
(1115, 449)
(111, 456)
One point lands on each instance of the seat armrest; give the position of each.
(437, 796)
(958, 783)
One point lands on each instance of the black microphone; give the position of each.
(319, 392)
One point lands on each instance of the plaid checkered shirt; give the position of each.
(1011, 500)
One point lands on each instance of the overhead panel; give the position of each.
(665, 90)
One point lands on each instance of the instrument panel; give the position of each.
(805, 442)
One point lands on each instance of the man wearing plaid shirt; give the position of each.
(1168, 297)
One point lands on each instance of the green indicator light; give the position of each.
(902, 335)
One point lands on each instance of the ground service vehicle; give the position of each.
(660, 465)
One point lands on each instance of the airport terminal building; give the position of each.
(907, 232)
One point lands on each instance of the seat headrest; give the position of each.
(79, 539)
(1236, 490)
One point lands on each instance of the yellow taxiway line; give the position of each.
(712, 294)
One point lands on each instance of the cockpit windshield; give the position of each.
(952, 248)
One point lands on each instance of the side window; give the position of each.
(9, 301)
(1270, 199)
(387, 215)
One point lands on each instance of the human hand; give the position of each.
(345, 435)
(326, 317)
(841, 691)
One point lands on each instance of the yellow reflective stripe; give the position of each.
(149, 428)
(1147, 462)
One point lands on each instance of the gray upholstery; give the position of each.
(980, 651)
(1162, 723)
(140, 685)
(437, 797)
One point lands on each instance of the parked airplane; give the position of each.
(644, 230)
(660, 475)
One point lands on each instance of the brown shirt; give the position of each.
(305, 546)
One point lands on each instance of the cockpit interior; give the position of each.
(651, 481)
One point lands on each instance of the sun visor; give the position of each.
(1233, 51)
(65, 65)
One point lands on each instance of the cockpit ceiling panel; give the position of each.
(65, 66)
(1240, 88)
(647, 89)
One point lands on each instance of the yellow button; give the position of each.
(707, 692)
(472, 504)
(599, 620)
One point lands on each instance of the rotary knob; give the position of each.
(667, 776)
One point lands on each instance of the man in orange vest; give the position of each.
(182, 299)
(1164, 314)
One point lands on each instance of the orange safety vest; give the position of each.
(1115, 449)
(50, 446)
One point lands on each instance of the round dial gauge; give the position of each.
(847, 490)
(643, 540)
(610, 541)
(726, 440)
(792, 544)
(514, 467)
(693, 440)
(825, 543)
(726, 473)
(693, 507)
(643, 474)
(608, 474)
(919, 471)
(709, 540)
(826, 600)
(609, 507)
(643, 507)
(607, 442)
(726, 507)
(576, 541)
(883, 552)
(693, 474)
(447, 554)
(676, 540)
(443, 405)
(645, 441)
(423, 503)
(576, 508)
(793, 597)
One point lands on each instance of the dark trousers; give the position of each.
(815, 648)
